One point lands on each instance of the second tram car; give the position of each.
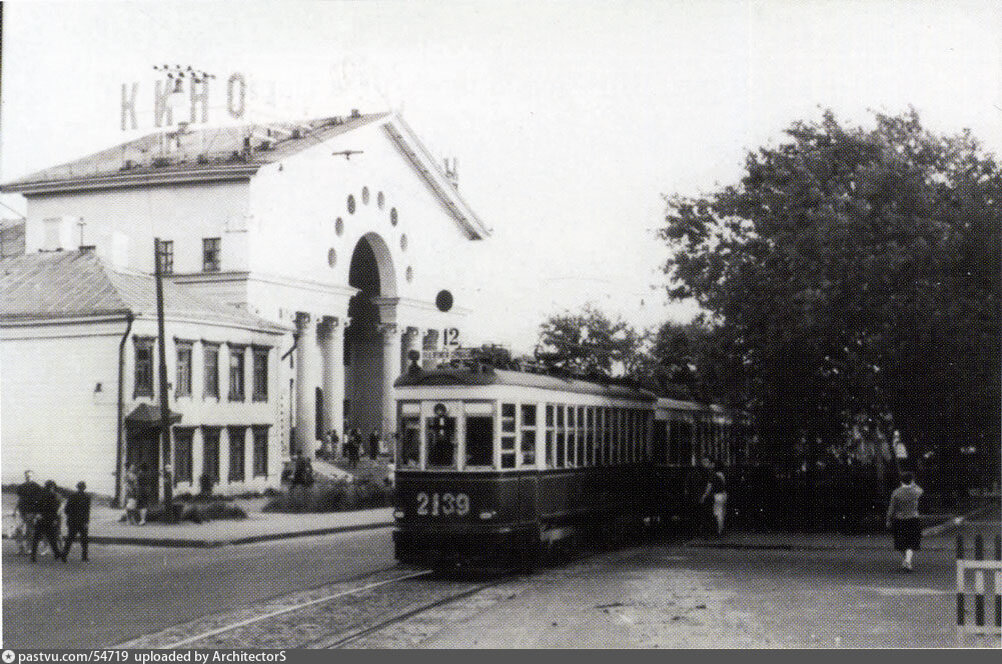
(495, 466)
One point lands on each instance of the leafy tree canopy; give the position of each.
(851, 273)
(587, 343)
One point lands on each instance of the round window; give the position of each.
(443, 300)
(365, 195)
(339, 226)
(409, 274)
(380, 200)
(332, 258)
(393, 216)
(351, 204)
(403, 242)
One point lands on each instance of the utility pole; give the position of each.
(165, 439)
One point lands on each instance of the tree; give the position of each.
(852, 274)
(587, 342)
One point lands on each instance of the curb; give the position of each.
(174, 542)
(955, 522)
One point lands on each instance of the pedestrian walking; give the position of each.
(903, 519)
(26, 511)
(374, 444)
(131, 494)
(354, 444)
(145, 480)
(715, 494)
(302, 474)
(77, 510)
(47, 521)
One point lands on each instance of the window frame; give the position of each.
(259, 388)
(237, 351)
(212, 252)
(146, 387)
(236, 472)
(209, 349)
(182, 383)
(259, 435)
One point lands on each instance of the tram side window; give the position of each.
(559, 463)
(528, 434)
(581, 456)
(571, 437)
(507, 435)
(680, 443)
(441, 436)
(549, 435)
(479, 440)
(590, 434)
(410, 442)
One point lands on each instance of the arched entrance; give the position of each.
(371, 271)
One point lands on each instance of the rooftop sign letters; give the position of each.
(169, 96)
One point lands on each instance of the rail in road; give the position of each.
(332, 616)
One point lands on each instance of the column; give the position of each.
(429, 343)
(391, 366)
(332, 349)
(307, 379)
(410, 342)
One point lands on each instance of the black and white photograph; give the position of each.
(502, 325)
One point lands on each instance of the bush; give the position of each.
(332, 497)
(215, 511)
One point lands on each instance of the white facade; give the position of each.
(350, 208)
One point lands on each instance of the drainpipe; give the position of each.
(292, 399)
(119, 456)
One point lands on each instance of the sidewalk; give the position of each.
(106, 527)
(938, 534)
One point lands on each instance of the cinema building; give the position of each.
(303, 262)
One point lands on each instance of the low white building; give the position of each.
(80, 397)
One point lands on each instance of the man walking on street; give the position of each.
(29, 496)
(78, 519)
(45, 524)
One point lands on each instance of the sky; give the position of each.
(570, 121)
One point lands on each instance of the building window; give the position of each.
(183, 368)
(260, 374)
(144, 367)
(211, 387)
(166, 256)
(237, 436)
(210, 254)
(236, 373)
(182, 454)
(260, 451)
(210, 453)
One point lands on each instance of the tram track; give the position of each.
(394, 607)
(331, 616)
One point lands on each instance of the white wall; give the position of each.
(182, 213)
(52, 420)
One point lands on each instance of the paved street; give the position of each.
(744, 590)
(127, 591)
(702, 597)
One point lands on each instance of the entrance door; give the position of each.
(143, 447)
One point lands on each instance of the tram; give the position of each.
(494, 467)
(684, 433)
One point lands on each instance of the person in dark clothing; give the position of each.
(77, 518)
(353, 446)
(28, 499)
(374, 444)
(146, 490)
(46, 521)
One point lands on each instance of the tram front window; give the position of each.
(479, 441)
(410, 442)
(441, 436)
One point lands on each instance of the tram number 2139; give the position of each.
(442, 504)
